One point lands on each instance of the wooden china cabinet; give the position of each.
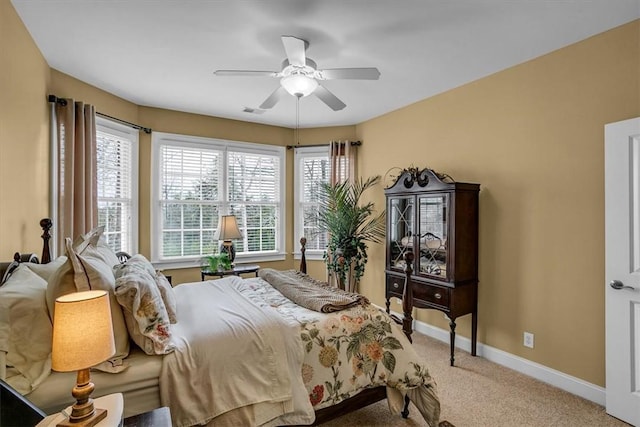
(432, 247)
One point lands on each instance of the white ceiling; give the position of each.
(163, 53)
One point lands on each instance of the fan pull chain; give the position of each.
(297, 120)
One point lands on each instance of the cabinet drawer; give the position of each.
(431, 294)
(395, 285)
(423, 293)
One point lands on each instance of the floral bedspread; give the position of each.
(350, 350)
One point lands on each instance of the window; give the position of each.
(311, 169)
(117, 165)
(195, 180)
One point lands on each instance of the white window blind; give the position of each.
(199, 179)
(312, 169)
(116, 150)
(189, 201)
(254, 195)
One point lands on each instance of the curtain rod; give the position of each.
(353, 144)
(62, 101)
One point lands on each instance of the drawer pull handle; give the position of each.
(395, 285)
(438, 296)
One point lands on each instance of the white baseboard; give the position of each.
(535, 370)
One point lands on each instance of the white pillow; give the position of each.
(94, 244)
(25, 329)
(86, 270)
(46, 270)
(9, 270)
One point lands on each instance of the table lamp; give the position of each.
(227, 230)
(82, 337)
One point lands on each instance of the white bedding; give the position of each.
(250, 362)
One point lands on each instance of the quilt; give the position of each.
(350, 350)
(245, 350)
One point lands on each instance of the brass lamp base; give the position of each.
(99, 415)
(83, 414)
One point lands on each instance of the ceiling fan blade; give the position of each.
(295, 47)
(328, 98)
(246, 73)
(350, 73)
(273, 98)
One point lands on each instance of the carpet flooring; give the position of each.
(479, 393)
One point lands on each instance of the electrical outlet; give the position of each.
(528, 339)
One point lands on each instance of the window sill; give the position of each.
(171, 264)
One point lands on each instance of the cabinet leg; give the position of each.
(452, 338)
(474, 332)
(388, 304)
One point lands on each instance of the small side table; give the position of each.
(113, 403)
(235, 271)
(160, 417)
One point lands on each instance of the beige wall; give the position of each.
(530, 135)
(24, 137)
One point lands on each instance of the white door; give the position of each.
(622, 272)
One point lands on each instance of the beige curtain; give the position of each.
(343, 161)
(77, 210)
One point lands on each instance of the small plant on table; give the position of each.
(216, 262)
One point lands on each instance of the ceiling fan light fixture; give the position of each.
(299, 85)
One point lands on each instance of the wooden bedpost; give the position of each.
(303, 259)
(46, 225)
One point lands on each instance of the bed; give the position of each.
(240, 353)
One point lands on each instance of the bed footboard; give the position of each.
(360, 400)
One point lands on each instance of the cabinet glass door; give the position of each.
(401, 213)
(433, 229)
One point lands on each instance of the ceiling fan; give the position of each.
(300, 76)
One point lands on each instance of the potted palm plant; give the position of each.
(351, 225)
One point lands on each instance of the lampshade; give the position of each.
(82, 331)
(299, 84)
(227, 228)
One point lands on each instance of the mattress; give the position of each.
(138, 384)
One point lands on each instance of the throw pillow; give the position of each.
(139, 263)
(168, 297)
(144, 311)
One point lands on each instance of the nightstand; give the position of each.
(160, 417)
(113, 403)
(235, 271)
